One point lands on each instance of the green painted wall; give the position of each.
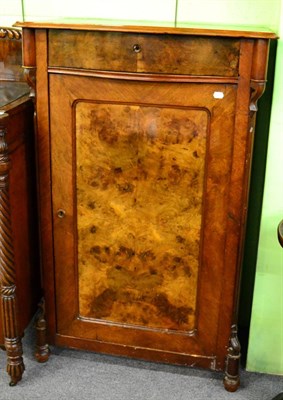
(11, 11)
(262, 254)
(265, 352)
(255, 204)
(259, 13)
(145, 10)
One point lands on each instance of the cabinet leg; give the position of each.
(232, 378)
(42, 351)
(15, 365)
(12, 339)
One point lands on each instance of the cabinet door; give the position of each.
(140, 190)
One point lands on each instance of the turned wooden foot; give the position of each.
(15, 363)
(232, 378)
(42, 350)
(12, 341)
(231, 383)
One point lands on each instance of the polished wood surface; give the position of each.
(11, 92)
(143, 171)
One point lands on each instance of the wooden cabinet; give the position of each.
(144, 143)
(19, 258)
(19, 136)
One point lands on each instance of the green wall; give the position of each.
(265, 353)
(259, 13)
(255, 204)
(266, 309)
(11, 11)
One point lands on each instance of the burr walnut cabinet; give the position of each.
(144, 139)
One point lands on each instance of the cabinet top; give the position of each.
(11, 91)
(159, 28)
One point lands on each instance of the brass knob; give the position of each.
(61, 213)
(136, 48)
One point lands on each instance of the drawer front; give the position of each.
(144, 53)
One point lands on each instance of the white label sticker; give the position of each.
(218, 95)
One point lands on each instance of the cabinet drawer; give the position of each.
(144, 53)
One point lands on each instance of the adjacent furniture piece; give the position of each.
(280, 233)
(280, 240)
(19, 264)
(144, 140)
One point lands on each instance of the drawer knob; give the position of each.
(61, 213)
(136, 48)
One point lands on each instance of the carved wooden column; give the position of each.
(15, 364)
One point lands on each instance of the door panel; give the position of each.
(138, 235)
(142, 172)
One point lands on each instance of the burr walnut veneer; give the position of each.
(144, 140)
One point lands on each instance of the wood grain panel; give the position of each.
(114, 51)
(140, 173)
